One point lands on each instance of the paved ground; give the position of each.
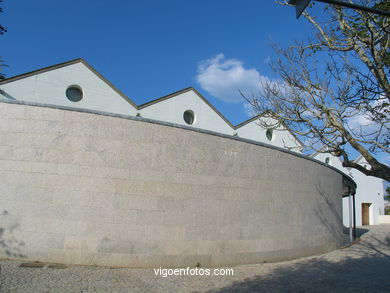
(362, 267)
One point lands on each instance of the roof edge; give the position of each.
(247, 121)
(106, 81)
(147, 104)
(258, 117)
(67, 63)
(166, 97)
(348, 180)
(41, 70)
(187, 89)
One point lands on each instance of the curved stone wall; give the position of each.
(91, 189)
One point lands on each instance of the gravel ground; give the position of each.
(362, 267)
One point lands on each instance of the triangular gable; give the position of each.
(173, 108)
(178, 93)
(257, 117)
(48, 86)
(104, 104)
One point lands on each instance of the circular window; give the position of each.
(327, 160)
(74, 93)
(189, 117)
(270, 134)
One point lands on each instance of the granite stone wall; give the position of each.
(84, 188)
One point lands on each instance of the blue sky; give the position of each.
(152, 48)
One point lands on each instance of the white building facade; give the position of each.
(75, 84)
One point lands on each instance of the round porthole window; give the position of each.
(270, 134)
(189, 117)
(74, 93)
(327, 160)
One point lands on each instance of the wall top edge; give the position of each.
(347, 180)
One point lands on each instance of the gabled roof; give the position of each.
(322, 151)
(313, 155)
(247, 121)
(258, 117)
(64, 64)
(234, 127)
(142, 106)
(182, 92)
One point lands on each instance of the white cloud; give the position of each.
(223, 78)
(362, 122)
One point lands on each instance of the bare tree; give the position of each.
(334, 89)
(2, 28)
(2, 76)
(2, 31)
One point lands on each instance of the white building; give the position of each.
(75, 84)
(369, 201)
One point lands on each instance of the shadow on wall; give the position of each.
(364, 270)
(9, 245)
(327, 211)
(6, 95)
